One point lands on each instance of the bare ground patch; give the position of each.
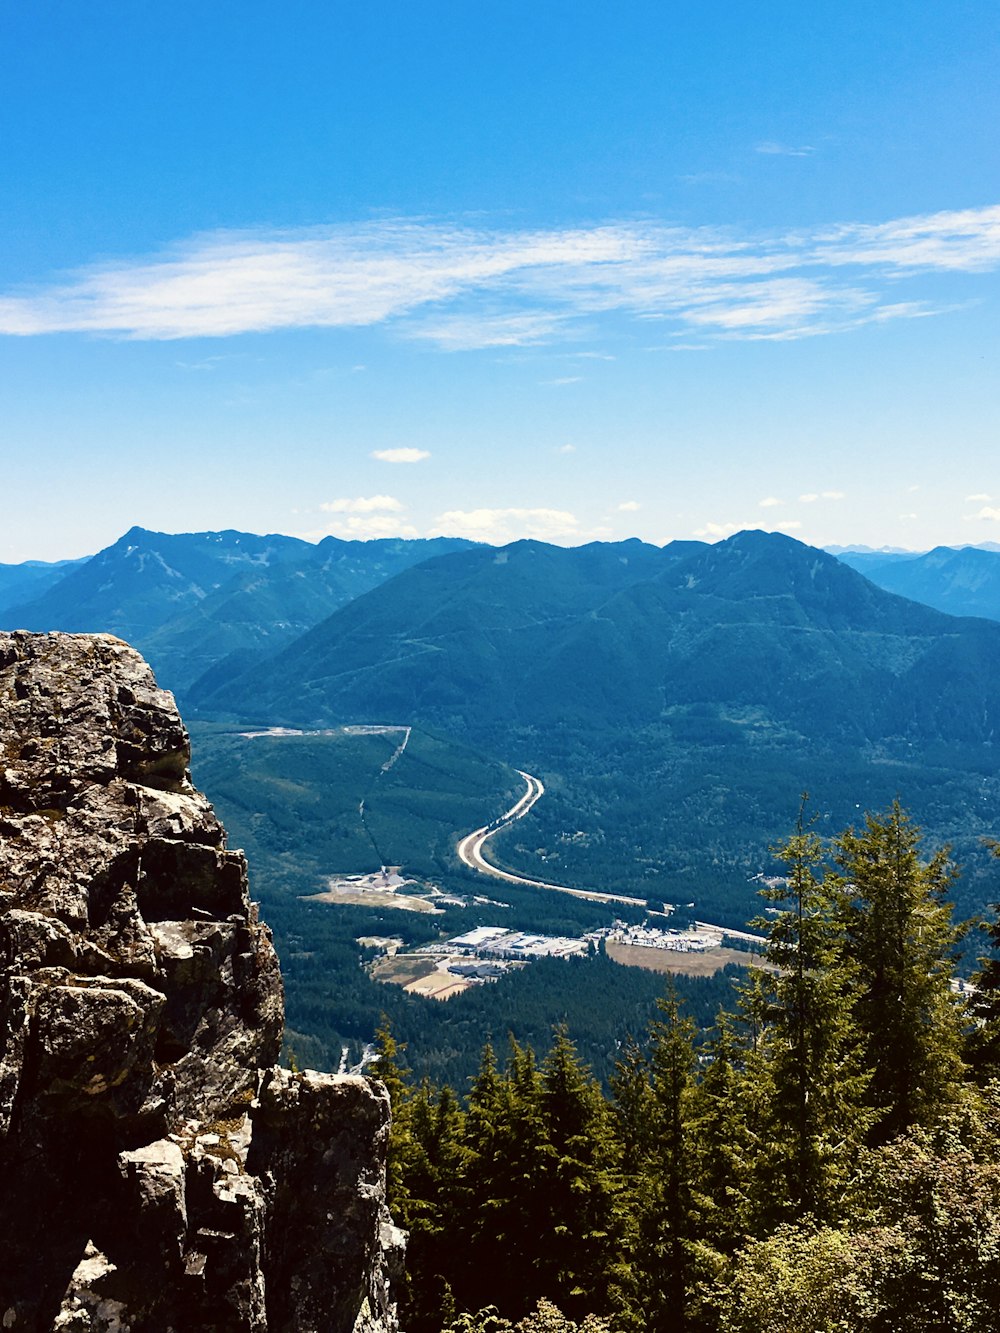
(421, 974)
(438, 986)
(704, 963)
(405, 968)
(405, 902)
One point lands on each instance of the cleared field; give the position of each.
(421, 974)
(374, 898)
(438, 986)
(703, 964)
(404, 969)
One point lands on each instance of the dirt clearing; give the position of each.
(701, 963)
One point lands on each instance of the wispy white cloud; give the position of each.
(966, 240)
(716, 531)
(401, 455)
(833, 495)
(809, 498)
(561, 381)
(363, 504)
(476, 330)
(205, 363)
(463, 286)
(770, 148)
(566, 449)
(987, 512)
(981, 496)
(500, 526)
(629, 507)
(770, 502)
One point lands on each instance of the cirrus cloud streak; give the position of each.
(463, 286)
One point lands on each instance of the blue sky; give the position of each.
(571, 271)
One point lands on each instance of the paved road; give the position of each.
(470, 851)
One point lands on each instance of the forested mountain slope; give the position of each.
(189, 601)
(538, 635)
(463, 639)
(676, 701)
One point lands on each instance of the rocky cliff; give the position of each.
(158, 1172)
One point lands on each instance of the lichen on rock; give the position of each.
(158, 1172)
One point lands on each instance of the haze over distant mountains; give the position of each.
(963, 581)
(31, 579)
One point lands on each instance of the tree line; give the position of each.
(827, 1157)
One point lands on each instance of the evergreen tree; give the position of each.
(633, 1108)
(480, 1190)
(390, 1070)
(983, 1041)
(659, 1194)
(435, 1172)
(485, 1102)
(500, 1203)
(725, 1144)
(579, 1236)
(816, 1081)
(903, 942)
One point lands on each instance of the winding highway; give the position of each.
(470, 850)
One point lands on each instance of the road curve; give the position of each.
(470, 850)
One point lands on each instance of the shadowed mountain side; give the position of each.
(536, 635)
(189, 601)
(451, 638)
(145, 578)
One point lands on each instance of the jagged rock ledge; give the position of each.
(158, 1172)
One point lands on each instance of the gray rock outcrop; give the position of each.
(157, 1172)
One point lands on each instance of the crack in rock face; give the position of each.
(159, 1173)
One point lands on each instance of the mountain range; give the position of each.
(19, 583)
(676, 701)
(963, 581)
(205, 607)
(536, 635)
(190, 601)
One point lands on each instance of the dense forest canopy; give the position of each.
(826, 1157)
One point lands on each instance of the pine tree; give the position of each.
(633, 1108)
(659, 1194)
(499, 1208)
(817, 1114)
(575, 1184)
(477, 1191)
(725, 1145)
(389, 1069)
(903, 942)
(435, 1170)
(983, 1041)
